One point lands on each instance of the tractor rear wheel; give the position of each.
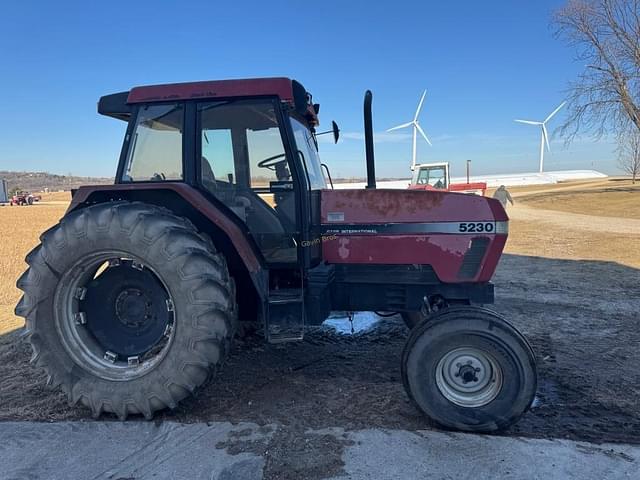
(468, 369)
(128, 308)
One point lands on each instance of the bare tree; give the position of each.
(629, 154)
(606, 95)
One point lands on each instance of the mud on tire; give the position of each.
(200, 307)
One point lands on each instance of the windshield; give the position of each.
(434, 176)
(307, 147)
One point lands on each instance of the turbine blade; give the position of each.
(554, 112)
(422, 133)
(419, 106)
(398, 127)
(546, 136)
(528, 122)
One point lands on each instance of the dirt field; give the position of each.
(21, 227)
(571, 284)
(55, 197)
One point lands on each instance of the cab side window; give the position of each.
(155, 149)
(217, 161)
(236, 139)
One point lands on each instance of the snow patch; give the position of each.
(362, 321)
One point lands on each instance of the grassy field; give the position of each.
(620, 200)
(609, 205)
(561, 239)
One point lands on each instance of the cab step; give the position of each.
(285, 316)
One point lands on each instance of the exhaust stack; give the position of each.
(368, 140)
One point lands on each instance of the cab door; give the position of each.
(245, 165)
(312, 184)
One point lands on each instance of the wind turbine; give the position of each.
(545, 136)
(416, 128)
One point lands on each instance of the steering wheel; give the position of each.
(271, 162)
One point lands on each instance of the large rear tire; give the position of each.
(468, 369)
(128, 308)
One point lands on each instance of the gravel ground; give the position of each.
(585, 333)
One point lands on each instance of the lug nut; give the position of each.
(80, 318)
(110, 356)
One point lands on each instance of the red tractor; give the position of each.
(219, 215)
(435, 176)
(23, 198)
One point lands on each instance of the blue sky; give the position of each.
(483, 65)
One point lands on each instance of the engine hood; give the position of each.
(460, 236)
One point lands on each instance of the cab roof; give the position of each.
(280, 87)
(119, 105)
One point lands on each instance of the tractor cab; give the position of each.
(256, 155)
(431, 176)
(249, 154)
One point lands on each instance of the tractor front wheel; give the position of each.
(468, 369)
(128, 308)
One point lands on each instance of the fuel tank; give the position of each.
(460, 236)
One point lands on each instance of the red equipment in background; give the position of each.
(435, 176)
(24, 198)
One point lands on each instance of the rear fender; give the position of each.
(229, 236)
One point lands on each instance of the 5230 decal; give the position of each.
(476, 227)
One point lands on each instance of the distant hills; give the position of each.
(39, 181)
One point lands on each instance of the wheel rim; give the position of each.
(469, 377)
(114, 315)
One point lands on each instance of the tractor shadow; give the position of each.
(581, 318)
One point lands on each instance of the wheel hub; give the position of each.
(126, 309)
(468, 377)
(467, 373)
(133, 308)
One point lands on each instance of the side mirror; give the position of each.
(334, 129)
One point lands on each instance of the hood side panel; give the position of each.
(460, 236)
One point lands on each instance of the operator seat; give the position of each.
(224, 191)
(208, 177)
